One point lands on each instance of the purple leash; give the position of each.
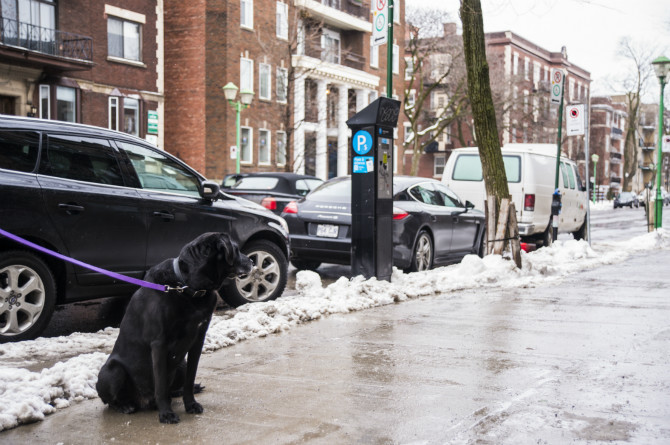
(118, 276)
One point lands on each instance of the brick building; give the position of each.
(519, 73)
(94, 62)
(607, 124)
(309, 63)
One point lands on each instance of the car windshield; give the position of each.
(256, 183)
(625, 195)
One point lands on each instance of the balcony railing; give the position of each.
(617, 133)
(46, 40)
(615, 155)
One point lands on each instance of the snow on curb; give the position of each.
(27, 396)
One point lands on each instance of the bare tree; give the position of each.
(484, 113)
(639, 58)
(435, 90)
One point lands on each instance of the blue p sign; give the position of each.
(362, 142)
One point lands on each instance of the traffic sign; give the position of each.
(233, 152)
(362, 142)
(152, 122)
(665, 147)
(380, 22)
(575, 122)
(556, 85)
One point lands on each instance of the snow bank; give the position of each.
(27, 396)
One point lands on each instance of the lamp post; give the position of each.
(594, 158)
(662, 67)
(246, 96)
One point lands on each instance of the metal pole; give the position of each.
(658, 223)
(389, 54)
(556, 199)
(238, 108)
(586, 170)
(595, 185)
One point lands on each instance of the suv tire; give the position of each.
(266, 282)
(27, 296)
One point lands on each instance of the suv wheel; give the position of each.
(265, 282)
(27, 296)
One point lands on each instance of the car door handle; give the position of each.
(165, 216)
(433, 218)
(70, 208)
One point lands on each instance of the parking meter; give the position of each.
(372, 188)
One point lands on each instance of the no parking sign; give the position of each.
(380, 21)
(575, 121)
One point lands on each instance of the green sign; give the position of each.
(152, 122)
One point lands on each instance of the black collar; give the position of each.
(182, 282)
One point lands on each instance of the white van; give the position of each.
(531, 170)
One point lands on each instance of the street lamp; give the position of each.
(246, 96)
(594, 158)
(662, 67)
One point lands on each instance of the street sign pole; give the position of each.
(389, 53)
(556, 199)
(586, 169)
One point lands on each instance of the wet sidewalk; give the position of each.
(582, 361)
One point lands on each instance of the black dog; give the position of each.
(159, 329)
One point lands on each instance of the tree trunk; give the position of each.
(481, 99)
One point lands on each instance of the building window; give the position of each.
(515, 64)
(409, 68)
(300, 39)
(526, 68)
(525, 101)
(396, 61)
(246, 142)
(246, 74)
(282, 84)
(247, 13)
(123, 39)
(282, 20)
(131, 116)
(264, 90)
(411, 98)
(263, 147)
(330, 46)
(280, 156)
(66, 100)
(374, 55)
(438, 165)
(114, 113)
(45, 102)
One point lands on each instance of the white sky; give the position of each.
(71, 363)
(589, 29)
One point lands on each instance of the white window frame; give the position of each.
(125, 21)
(74, 101)
(282, 20)
(326, 55)
(374, 55)
(45, 95)
(250, 77)
(126, 106)
(248, 21)
(409, 68)
(435, 164)
(411, 97)
(396, 13)
(396, 59)
(281, 138)
(282, 89)
(113, 110)
(265, 69)
(300, 39)
(250, 146)
(515, 64)
(268, 144)
(526, 68)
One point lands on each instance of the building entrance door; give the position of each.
(8, 105)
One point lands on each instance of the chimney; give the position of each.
(449, 29)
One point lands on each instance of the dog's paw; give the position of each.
(194, 408)
(168, 417)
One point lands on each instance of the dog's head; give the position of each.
(209, 259)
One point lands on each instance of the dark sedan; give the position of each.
(626, 199)
(431, 225)
(273, 190)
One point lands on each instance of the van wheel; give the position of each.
(581, 232)
(27, 296)
(548, 236)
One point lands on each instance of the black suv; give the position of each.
(114, 201)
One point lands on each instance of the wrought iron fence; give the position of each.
(46, 40)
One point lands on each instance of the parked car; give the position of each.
(273, 190)
(650, 195)
(626, 199)
(531, 178)
(116, 202)
(230, 180)
(431, 225)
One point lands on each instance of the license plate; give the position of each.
(327, 230)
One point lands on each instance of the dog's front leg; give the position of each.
(191, 406)
(161, 392)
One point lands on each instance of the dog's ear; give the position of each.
(227, 247)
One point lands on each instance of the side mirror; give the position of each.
(469, 205)
(209, 190)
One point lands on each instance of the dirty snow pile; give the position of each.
(27, 396)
